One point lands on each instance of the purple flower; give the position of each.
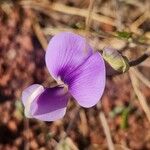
(79, 72)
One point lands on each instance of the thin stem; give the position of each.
(88, 22)
(106, 131)
(139, 60)
(140, 96)
(141, 77)
(71, 123)
(26, 128)
(112, 72)
(67, 10)
(88, 19)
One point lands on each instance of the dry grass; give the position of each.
(115, 23)
(46, 8)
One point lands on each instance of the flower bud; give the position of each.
(115, 59)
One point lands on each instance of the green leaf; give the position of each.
(124, 116)
(78, 25)
(63, 145)
(117, 110)
(142, 39)
(124, 34)
(19, 106)
(18, 110)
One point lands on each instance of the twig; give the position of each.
(141, 77)
(39, 33)
(121, 147)
(88, 22)
(140, 59)
(84, 129)
(88, 18)
(136, 3)
(141, 97)
(67, 10)
(70, 145)
(134, 26)
(107, 131)
(118, 14)
(69, 127)
(55, 30)
(71, 123)
(145, 63)
(65, 134)
(101, 34)
(26, 128)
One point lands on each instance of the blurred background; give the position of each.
(121, 120)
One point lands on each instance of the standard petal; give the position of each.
(49, 105)
(87, 82)
(66, 51)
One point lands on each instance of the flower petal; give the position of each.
(87, 83)
(49, 105)
(28, 96)
(65, 52)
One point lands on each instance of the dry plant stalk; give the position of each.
(71, 143)
(88, 18)
(121, 147)
(83, 123)
(118, 15)
(136, 3)
(106, 131)
(141, 77)
(39, 33)
(67, 141)
(88, 21)
(134, 26)
(45, 8)
(26, 128)
(141, 97)
(55, 30)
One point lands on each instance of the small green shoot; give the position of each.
(124, 35)
(124, 118)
